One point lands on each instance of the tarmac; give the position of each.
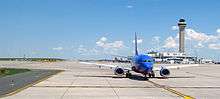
(80, 81)
(13, 83)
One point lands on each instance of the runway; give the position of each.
(91, 82)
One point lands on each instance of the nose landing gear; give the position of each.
(151, 74)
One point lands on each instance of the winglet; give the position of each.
(135, 41)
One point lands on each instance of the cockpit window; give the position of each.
(147, 60)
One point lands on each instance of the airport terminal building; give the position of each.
(172, 58)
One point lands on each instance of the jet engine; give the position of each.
(164, 72)
(119, 71)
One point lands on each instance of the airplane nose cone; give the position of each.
(148, 68)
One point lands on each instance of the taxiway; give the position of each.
(80, 81)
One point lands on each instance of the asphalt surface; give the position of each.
(13, 82)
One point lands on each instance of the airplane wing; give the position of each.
(122, 56)
(126, 67)
(175, 66)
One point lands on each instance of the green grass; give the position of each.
(11, 71)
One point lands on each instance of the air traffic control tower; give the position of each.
(182, 25)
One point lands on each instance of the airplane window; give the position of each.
(147, 61)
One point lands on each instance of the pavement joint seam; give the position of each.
(203, 75)
(69, 87)
(121, 87)
(112, 88)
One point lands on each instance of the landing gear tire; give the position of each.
(152, 74)
(128, 75)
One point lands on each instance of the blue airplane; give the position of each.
(140, 63)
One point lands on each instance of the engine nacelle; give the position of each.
(119, 71)
(164, 72)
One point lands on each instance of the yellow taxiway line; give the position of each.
(171, 90)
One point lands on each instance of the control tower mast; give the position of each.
(182, 25)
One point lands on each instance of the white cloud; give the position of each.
(199, 36)
(82, 49)
(156, 43)
(170, 42)
(103, 39)
(102, 42)
(199, 45)
(156, 39)
(175, 28)
(214, 46)
(129, 6)
(218, 30)
(103, 46)
(138, 41)
(116, 44)
(94, 51)
(110, 47)
(200, 39)
(57, 48)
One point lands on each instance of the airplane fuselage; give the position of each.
(142, 64)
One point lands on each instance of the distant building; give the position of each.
(206, 61)
(172, 58)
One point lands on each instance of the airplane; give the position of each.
(140, 63)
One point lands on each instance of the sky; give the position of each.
(96, 29)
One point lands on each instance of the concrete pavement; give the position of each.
(80, 81)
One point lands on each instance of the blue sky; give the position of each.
(99, 28)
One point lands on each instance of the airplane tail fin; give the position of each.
(135, 42)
